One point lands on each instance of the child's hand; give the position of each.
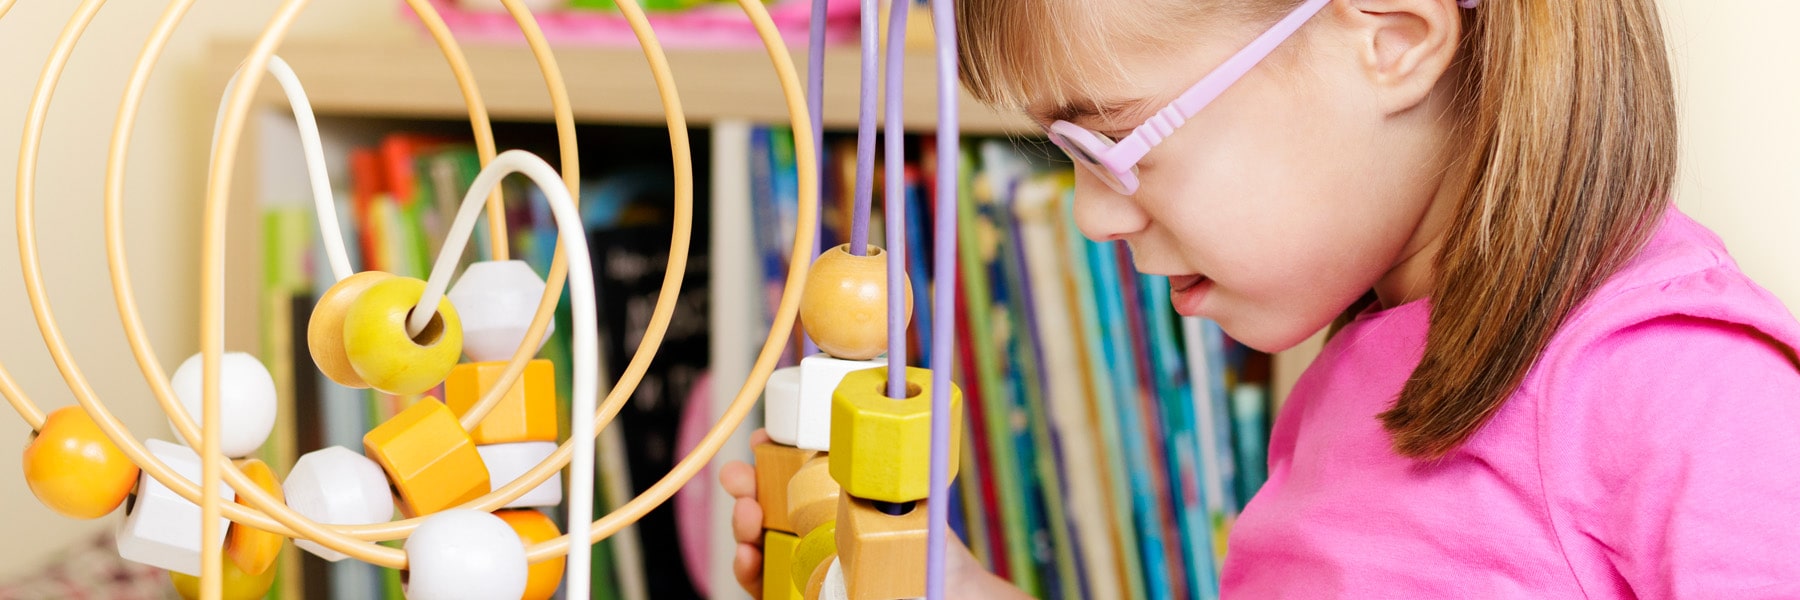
(967, 578)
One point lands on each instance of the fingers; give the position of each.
(747, 565)
(739, 480)
(760, 436)
(746, 521)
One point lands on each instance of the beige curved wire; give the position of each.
(237, 108)
(6, 5)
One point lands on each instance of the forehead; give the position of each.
(1064, 57)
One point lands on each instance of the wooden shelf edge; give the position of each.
(409, 78)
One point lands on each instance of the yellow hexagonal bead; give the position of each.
(527, 413)
(235, 583)
(881, 447)
(428, 458)
(254, 550)
(778, 561)
(325, 329)
(814, 552)
(377, 346)
(882, 554)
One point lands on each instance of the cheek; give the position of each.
(1286, 200)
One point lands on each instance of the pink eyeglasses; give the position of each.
(1116, 163)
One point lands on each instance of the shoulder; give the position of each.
(1679, 338)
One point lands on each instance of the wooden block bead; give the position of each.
(496, 300)
(235, 583)
(815, 585)
(428, 458)
(776, 465)
(820, 375)
(507, 462)
(844, 304)
(376, 342)
(464, 553)
(781, 405)
(337, 486)
(812, 495)
(325, 329)
(74, 469)
(883, 554)
(246, 400)
(882, 446)
(534, 527)
(161, 528)
(778, 560)
(814, 552)
(250, 549)
(527, 413)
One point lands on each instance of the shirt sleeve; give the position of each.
(1670, 451)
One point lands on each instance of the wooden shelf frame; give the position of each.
(409, 79)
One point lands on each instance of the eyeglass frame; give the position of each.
(1116, 162)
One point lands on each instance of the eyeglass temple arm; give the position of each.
(1165, 121)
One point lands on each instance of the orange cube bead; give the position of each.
(527, 413)
(776, 465)
(428, 458)
(882, 554)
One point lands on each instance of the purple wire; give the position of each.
(865, 134)
(815, 105)
(942, 340)
(894, 200)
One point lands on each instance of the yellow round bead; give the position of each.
(534, 527)
(844, 304)
(816, 549)
(378, 347)
(73, 468)
(254, 550)
(325, 330)
(881, 447)
(237, 584)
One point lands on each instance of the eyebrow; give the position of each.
(1076, 109)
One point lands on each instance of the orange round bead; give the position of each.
(534, 527)
(254, 550)
(844, 304)
(74, 469)
(325, 330)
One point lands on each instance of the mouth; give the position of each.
(1182, 283)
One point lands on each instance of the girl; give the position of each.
(1543, 381)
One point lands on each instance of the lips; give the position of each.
(1182, 283)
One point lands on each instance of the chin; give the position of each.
(1270, 333)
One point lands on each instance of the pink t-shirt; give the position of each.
(1652, 452)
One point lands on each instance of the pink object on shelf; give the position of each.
(707, 26)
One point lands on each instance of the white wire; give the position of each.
(573, 239)
(315, 161)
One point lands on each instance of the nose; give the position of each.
(1105, 215)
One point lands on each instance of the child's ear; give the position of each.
(1404, 46)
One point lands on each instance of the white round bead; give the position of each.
(496, 300)
(506, 462)
(162, 529)
(834, 588)
(337, 486)
(465, 554)
(246, 400)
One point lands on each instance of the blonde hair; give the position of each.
(1567, 129)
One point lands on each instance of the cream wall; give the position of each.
(166, 171)
(1738, 66)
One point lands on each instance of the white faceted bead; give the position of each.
(463, 554)
(819, 378)
(337, 486)
(246, 400)
(781, 405)
(496, 300)
(506, 462)
(162, 529)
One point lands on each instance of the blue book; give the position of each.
(1176, 394)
